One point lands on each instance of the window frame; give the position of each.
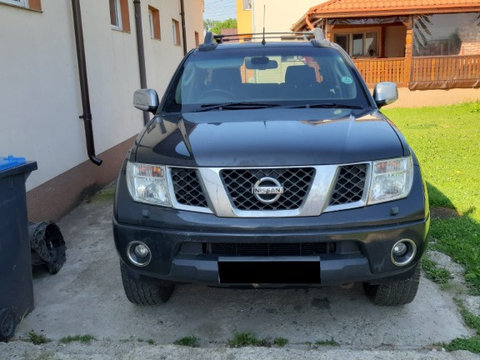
(349, 33)
(197, 38)
(118, 14)
(154, 23)
(177, 41)
(19, 3)
(121, 8)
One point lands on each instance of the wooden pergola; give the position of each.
(416, 72)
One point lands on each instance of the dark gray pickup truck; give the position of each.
(268, 164)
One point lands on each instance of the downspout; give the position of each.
(82, 73)
(184, 31)
(141, 52)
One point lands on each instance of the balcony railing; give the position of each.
(384, 69)
(445, 72)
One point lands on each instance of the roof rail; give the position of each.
(316, 37)
(268, 35)
(208, 43)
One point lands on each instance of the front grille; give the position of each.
(349, 185)
(187, 188)
(269, 249)
(240, 182)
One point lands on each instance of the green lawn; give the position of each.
(446, 140)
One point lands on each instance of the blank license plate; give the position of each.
(269, 272)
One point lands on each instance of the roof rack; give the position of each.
(316, 37)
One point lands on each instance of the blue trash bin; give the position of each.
(16, 286)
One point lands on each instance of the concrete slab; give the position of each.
(86, 297)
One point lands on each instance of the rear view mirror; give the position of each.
(260, 63)
(146, 100)
(385, 93)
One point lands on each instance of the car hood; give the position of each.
(268, 137)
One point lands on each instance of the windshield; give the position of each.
(265, 77)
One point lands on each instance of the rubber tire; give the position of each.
(7, 324)
(396, 293)
(145, 292)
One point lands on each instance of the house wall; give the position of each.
(470, 36)
(244, 19)
(395, 41)
(40, 94)
(280, 15)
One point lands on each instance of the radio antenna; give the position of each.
(263, 40)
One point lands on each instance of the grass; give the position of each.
(37, 339)
(191, 341)
(434, 272)
(105, 195)
(280, 341)
(471, 344)
(242, 339)
(445, 140)
(330, 342)
(84, 339)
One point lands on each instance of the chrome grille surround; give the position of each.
(317, 200)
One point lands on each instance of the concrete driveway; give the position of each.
(86, 297)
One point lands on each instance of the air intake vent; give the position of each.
(187, 188)
(349, 185)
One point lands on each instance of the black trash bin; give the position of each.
(16, 286)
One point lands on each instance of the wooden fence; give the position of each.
(426, 72)
(384, 69)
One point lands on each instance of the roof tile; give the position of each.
(357, 8)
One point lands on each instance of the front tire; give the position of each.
(396, 293)
(145, 292)
(7, 324)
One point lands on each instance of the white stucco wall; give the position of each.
(39, 91)
(40, 97)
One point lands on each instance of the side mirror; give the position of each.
(146, 100)
(385, 93)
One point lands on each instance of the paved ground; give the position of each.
(86, 297)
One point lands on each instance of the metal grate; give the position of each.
(187, 187)
(269, 249)
(349, 185)
(240, 182)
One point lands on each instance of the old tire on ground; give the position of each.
(399, 292)
(7, 324)
(145, 292)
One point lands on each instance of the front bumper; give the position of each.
(363, 238)
(370, 263)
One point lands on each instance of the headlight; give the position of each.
(391, 179)
(148, 184)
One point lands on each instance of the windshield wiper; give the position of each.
(236, 106)
(328, 106)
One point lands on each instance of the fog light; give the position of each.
(400, 249)
(139, 253)
(403, 252)
(141, 250)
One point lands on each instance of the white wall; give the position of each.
(280, 15)
(40, 100)
(39, 92)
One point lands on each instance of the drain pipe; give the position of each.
(141, 52)
(82, 73)
(184, 30)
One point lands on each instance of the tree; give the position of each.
(216, 26)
